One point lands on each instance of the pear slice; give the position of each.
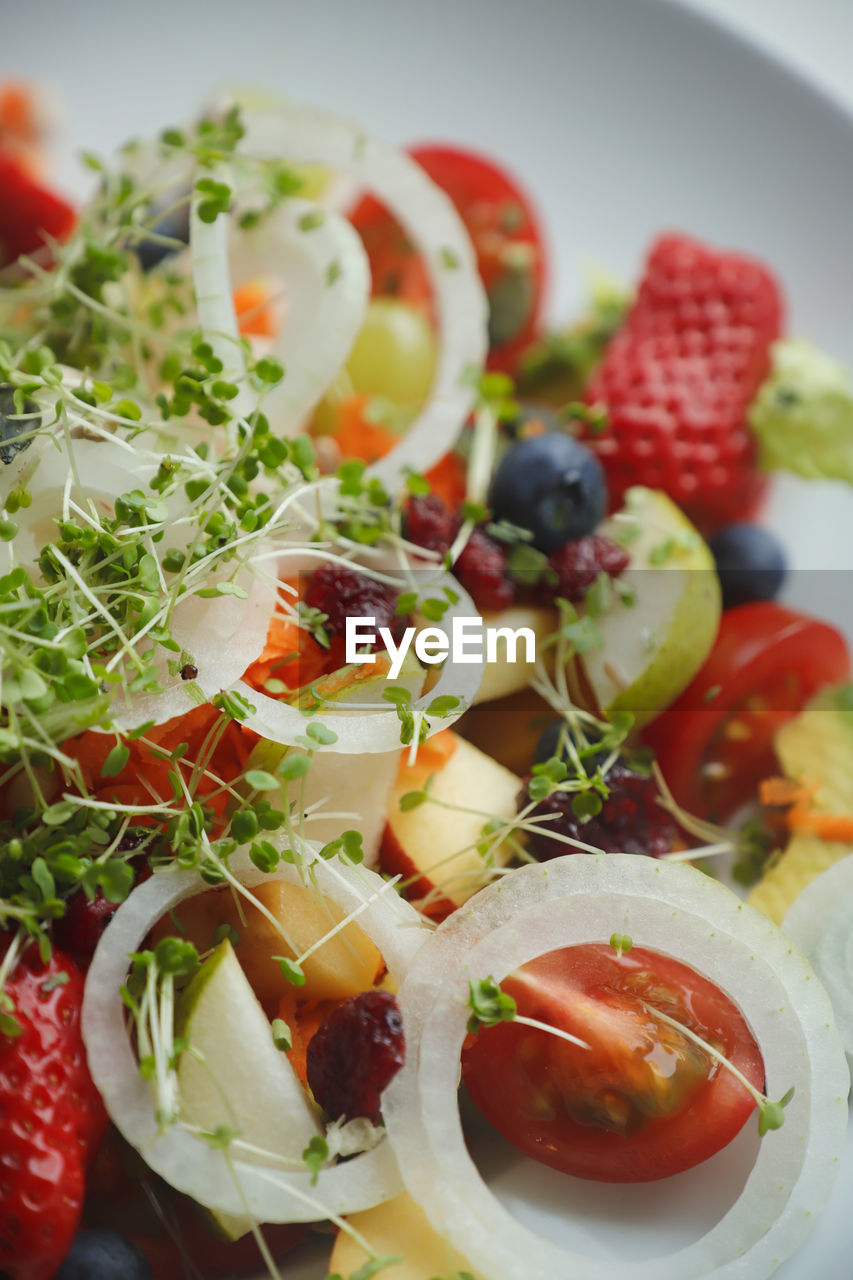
(358, 785)
(663, 617)
(243, 1081)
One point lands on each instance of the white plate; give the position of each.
(624, 117)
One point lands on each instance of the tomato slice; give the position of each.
(643, 1101)
(505, 229)
(715, 743)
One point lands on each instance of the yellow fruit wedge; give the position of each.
(805, 857)
(398, 1229)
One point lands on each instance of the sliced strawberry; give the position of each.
(678, 377)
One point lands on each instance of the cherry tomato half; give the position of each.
(643, 1101)
(504, 228)
(715, 743)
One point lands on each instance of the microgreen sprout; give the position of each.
(490, 1005)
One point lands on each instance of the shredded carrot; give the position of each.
(303, 1020)
(828, 826)
(778, 793)
(357, 436)
(256, 316)
(432, 755)
(447, 480)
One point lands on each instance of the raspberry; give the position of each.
(677, 380)
(481, 569)
(430, 524)
(355, 1054)
(342, 593)
(630, 821)
(578, 564)
(481, 565)
(79, 930)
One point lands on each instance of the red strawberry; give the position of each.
(28, 212)
(679, 375)
(51, 1117)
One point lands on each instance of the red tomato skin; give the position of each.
(504, 1068)
(765, 653)
(28, 211)
(480, 190)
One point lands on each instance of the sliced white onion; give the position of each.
(820, 922)
(223, 634)
(309, 135)
(185, 1161)
(673, 909)
(81, 479)
(361, 729)
(320, 258)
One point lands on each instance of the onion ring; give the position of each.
(358, 731)
(322, 262)
(309, 135)
(664, 906)
(183, 1160)
(820, 922)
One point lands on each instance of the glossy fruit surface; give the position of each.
(642, 1101)
(504, 228)
(750, 563)
(715, 743)
(552, 485)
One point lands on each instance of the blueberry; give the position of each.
(750, 562)
(174, 224)
(97, 1254)
(552, 485)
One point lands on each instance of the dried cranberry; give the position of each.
(481, 568)
(430, 524)
(630, 821)
(79, 930)
(341, 593)
(578, 564)
(355, 1054)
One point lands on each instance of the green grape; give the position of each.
(394, 354)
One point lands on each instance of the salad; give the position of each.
(308, 914)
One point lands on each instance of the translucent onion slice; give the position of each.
(81, 479)
(319, 256)
(185, 1161)
(223, 634)
(309, 135)
(673, 909)
(820, 922)
(359, 728)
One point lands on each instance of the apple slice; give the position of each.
(344, 965)
(242, 1080)
(438, 846)
(502, 678)
(664, 613)
(358, 786)
(399, 1228)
